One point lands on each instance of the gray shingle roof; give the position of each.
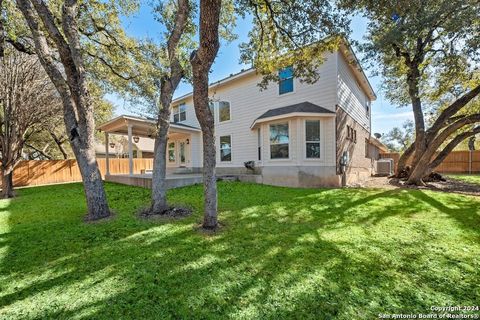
(306, 107)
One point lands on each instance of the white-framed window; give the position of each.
(368, 105)
(223, 111)
(225, 148)
(279, 141)
(180, 113)
(171, 152)
(312, 139)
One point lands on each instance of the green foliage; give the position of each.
(281, 253)
(291, 33)
(442, 36)
(399, 139)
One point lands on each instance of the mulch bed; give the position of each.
(444, 185)
(170, 213)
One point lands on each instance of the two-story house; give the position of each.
(297, 134)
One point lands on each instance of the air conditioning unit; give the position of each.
(384, 167)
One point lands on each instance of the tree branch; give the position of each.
(449, 147)
(39, 151)
(452, 110)
(110, 67)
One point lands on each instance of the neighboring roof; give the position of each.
(347, 51)
(298, 109)
(379, 144)
(140, 126)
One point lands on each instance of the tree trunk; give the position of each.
(168, 86)
(210, 220)
(159, 184)
(403, 160)
(7, 184)
(448, 148)
(200, 98)
(202, 61)
(420, 139)
(95, 195)
(71, 84)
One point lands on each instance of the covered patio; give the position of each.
(183, 152)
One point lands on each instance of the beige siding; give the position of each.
(351, 97)
(248, 102)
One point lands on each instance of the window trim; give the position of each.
(289, 123)
(179, 112)
(293, 84)
(320, 128)
(216, 111)
(229, 111)
(220, 148)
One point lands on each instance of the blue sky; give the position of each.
(384, 115)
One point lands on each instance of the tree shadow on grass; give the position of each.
(284, 253)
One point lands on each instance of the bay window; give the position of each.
(312, 139)
(279, 141)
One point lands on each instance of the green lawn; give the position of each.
(470, 178)
(282, 254)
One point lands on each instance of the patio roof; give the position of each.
(142, 127)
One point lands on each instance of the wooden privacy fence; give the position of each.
(33, 172)
(455, 162)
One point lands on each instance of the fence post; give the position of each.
(470, 156)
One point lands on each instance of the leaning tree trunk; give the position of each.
(7, 184)
(201, 62)
(403, 160)
(71, 84)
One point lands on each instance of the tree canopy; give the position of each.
(428, 54)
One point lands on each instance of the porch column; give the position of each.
(107, 161)
(130, 150)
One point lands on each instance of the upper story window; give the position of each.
(368, 104)
(223, 111)
(285, 84)
(180, 113)
(279, 141)
(312, 139)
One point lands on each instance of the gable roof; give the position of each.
(345, 48)
(298, 109)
